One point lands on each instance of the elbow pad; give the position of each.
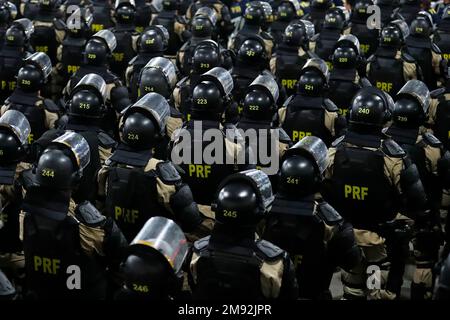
(120, 98)
(343, 248)
(185, 209)
(412, 189)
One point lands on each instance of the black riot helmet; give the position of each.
(411, 105)
(442, 287)
(79, 23)
(204, 22)
(252, 52)
(420, 27)
(347, 52)
(170, 5)
(60, 166)
(394, 34)
(301, 171)
(370, 109)
(87, 99)
(334, 19)
(321, 4)
(153, 268)
(99, 48)
(158, 75)
(19, 33)
(8, 12)
(14, 131)
(212, 93)
(153, 40)
(294, 35)
(144, 123)
(7, 291)
(359, 10)
(125, 11)
(49, 5)
(287, 11)
(261, 98)
(313, 78)
(33, 75)
(258, 13)
(446, 13)
(206, 55)
(243, 199)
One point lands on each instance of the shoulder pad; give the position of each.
(266, 35)
(407, 57)
(130, 63)
(329, 105)
(431, 140)
(201, 244)
(392, 149)
(232, 133)
(436, 93)
(181, 19)
(50, 105)
(328, 214)
(105, 140)
(435, 48)
(59, 24)
(26, 179)
(337, 141)
(88, 214)
(288, 100)
(182, 82)
(315, 37)
(372, 58)
(167, 172)
(269, 250)
(283, 136)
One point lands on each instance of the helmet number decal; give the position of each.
(50, 173)
(230, 213)
(202, 101)
(253, 108)
(133, 136)
(292, 180)
(364, 110)
(85, 106)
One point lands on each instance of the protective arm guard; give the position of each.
(185, 209)
(340, 126)
(289, 285)
(115, 245)
(414, 196)
(342, 248)
(120, 98)
(443, 167)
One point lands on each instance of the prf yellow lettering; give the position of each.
(46, 265)
(385, 86)
(288, 83)
(126, 215)
(355, 192)
(199, 170)
(298, 135)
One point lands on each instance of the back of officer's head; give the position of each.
(55, 169)
(311, 83)
(258, 105)
(252, 54)
(205, 57)
(207, 101)
(201, 27)
(254, 14)
(30, 78)
(411, 105)
(370, 110)
(139, 131)
(152, 41)
(286, 12)
(420, 28)
(295, 35)
(125, 13)
(14, 37)
(154, 80)
(298, 177)
(12, 149)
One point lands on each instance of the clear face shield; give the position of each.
(78, 145)
(417, 90)
(314, 148)
(92, 81)
(42, 62)
(167, 67)
(108, 37)
(155, 105)
(17, 123)
(221, 77)
(268, 84)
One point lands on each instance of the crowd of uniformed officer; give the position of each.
(106, 110)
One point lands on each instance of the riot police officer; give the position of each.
(32, 77)
(14, 130)
(210, 98)
(323, 43)
(256, 16)
(442, 34)
(62, 238)
(345, 79)
(14, 50)
(389, 10)
(318, 10)
(48, 30)
(288, 11)
(427, 153)
(409, 10)
(151, 43)
(427, 54)
(308, 112)
(148, 271)
(230, 263)
(8, 13)
(389, 68)
(302, 222)
(143, 15)
(258, 110)
(368, 180)
(368, 38)
(174, 23)
(97, 52)
(126, 36)
(102, 15)
(292, 54)
(134, 184)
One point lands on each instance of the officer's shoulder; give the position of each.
(59, 24)
(88, 214)
(328, 214)
(392, 149)
(315, 37)
(132, 61)
(372, 58)
(232, 132)
(201, 244)
(407, 57)
(167, 172)
(283, 136)
(268, 250)
(266, 36)
(50, 105)
(180, 19)
(105, 140)
(182, 82)
(435, 48)
(436, 93)
(337, 142)
(329, 105)
(431, 140)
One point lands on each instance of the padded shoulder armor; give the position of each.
(269, 250)
(435, 48)
(283, 136)
(392, 149)
(88, 214)
(328, 214)
(408, 58)
(315, 37)
(59, 24)
(106, 141)
(50, 105)
(266, 36)
(288, 100)
(436, 93)
(337, 141)
(431, 140)
(329, 105)
(167, 172)
(201, 244)
(372, 58)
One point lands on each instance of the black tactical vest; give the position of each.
(143, 15)
(325, 43)
(131, 195)
(167, 19)
(277, 31)
(441, 126)
(288, 67)
(305, 116)
(420, 50)
(368, 39)
(43, 39)
(409, 11)
(124, 51)
(442, 38)
(386, 73)
(343, 88)
(243, 76)
(11, 60)
(101, 17)
(72, 55)
(26, 103)
(361, 192)
(138, 63)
